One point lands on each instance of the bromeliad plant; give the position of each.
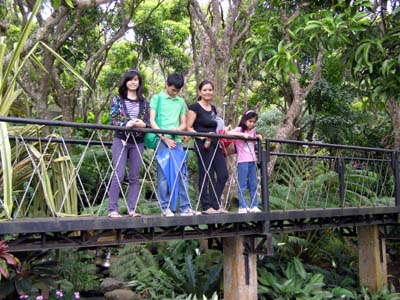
(6, 260)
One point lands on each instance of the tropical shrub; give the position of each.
(299, 182)
(6, 260)
(163, 271)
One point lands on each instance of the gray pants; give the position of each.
(120, 155)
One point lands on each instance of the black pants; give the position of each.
(211, 191)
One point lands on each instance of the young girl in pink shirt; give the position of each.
(247, 162)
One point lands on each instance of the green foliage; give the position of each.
(376, 61)
(50, 271)
(168, 270)
(123, 57)
(163, 35)
(307, 183)
(384, 294)
(294, 283)
(77, 268)
(330, 116)
(8, 95)
(268, 122)
(34, 180)
(46, 272)
(36, 273)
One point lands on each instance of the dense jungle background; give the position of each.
(322, 71)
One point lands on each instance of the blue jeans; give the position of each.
(164, 193)
(247, 179)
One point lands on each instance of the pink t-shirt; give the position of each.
(245, 148)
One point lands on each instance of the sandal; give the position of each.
(134, 214)
(114, 214)
(210, 211)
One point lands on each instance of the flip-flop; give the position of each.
(114, 214)
(222, 211)
(210, 211)
(134, 214)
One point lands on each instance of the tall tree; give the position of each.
(289, 50)
(375, 62)
(216, 31)
(82, 32)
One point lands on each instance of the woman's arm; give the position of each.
(190, 118)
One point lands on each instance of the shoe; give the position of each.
(255, 209)
(222, 211)
(210, 211)
(114, 214)
(190, 212)
(134, 214)
(243, 210)
(167, 213)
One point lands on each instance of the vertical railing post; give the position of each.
(396, 177)
(264, 159)
(263, 156)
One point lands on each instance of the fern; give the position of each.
(152, 269)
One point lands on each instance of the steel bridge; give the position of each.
(59, 190)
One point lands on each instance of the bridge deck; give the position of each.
(79, 223)
(90, 231)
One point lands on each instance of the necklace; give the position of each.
(205, 105)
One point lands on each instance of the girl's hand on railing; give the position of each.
(136, 123)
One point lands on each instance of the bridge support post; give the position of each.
(371, 258)
(240, 269)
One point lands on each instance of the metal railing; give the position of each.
(316, 175)
(58, 176)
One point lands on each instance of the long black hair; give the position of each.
(123, 90)
(248, 114)
(203, 83)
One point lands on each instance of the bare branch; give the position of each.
(209, 31)
(245, 30)
(68, 33)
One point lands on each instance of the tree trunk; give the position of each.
(299, 95)
(216, 40)
(393, 108)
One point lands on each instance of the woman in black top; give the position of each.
(201, 118)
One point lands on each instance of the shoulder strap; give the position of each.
(158, 119)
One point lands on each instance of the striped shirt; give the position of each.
(132, 107)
